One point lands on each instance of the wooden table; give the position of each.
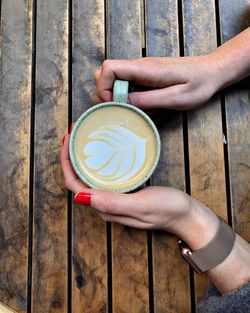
(56, 256)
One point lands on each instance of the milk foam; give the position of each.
(115, 153)
(114, 148)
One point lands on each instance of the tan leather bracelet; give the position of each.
(213, 253)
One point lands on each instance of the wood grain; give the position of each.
(142, 10)
(205, 137)
(125, 39)
(129, 246)
(235, 17)
(124, 29)
(15, 104)
(170, 272)
(49, 280)
(89, 260)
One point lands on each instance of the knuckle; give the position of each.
(107, 64)
(102, 94)
(137, 99)
(107, 206)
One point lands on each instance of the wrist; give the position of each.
(198, 227)
(225, 72)
(231, 60)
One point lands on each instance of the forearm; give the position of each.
(235, 270)
(232, 59)
(200, 229)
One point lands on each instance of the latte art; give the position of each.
(115, 153)
(114, 148)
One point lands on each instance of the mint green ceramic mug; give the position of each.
(114, 145)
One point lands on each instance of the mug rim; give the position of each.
(110, 104)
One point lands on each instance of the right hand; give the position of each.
(179, 83)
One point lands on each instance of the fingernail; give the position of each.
(63, 139)
(71, 128)
(83, 198)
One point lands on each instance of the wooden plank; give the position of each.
(49, 280)
(206, 155)
(143, 39)
(15, 104)
(89, 279)
(129, 246)
(235, 17)
(170, 272)
(124, 29)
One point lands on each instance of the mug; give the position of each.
(114, 146)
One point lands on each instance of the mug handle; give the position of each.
(120, 91)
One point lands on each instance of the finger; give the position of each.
(125, 220)
(173, 97)
(132, 70)
(96, 78)
(97, 75)
(71, 127)
(64, 156)
(72, 181)
(107, 202)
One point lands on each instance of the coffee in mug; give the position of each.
(114, 146)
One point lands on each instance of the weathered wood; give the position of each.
(49, 280)
(205, 138)
(89, 279)
(170, 272)
(15, 104)
(129, 246)
(235, 17)
(123, 29)
(89, 268)
(142, 9)
(162, 33)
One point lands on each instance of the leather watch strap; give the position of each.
(212, 254)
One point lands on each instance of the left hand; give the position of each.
(163, 208)
(167, 209)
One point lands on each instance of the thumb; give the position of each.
(169, 98)
(108, 202)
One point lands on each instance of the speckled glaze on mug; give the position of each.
(114, 145)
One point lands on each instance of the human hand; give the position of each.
(179, 83)
(167, 209)
(163, 208)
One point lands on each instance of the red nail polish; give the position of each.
(83, 198)
(63, 139)
(71, 128)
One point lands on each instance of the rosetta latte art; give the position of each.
(114, 154)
